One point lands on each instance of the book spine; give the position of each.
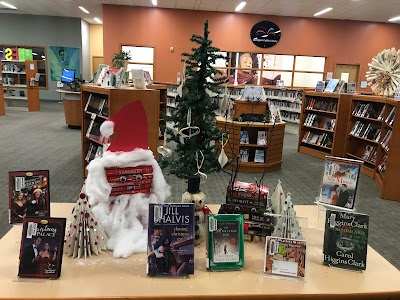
(243, 201)
(131, 188)
(245, 195)
(129, 170)
(132, 182)
(118, 193)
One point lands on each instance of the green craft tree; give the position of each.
(201, 77)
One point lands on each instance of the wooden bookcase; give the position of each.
(163, 108)
(339, 105)
(2, 107)
(19, 73)
(118, 98)
(388, 181)
(288, 100)
(272, 150)
(356, 144)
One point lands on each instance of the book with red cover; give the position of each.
(118, 193)
(42, 245)
(129, 170)
(29, 195)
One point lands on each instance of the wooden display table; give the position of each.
(72, 108)
(105, 277)
(272, 150)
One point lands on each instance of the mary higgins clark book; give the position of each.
(346, 240)
(170, 245)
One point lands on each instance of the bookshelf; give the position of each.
(364, 131)
(163, 108)
(2, 108)
(17, 90)
(115, 99)
(288, 100)
(387, 165)
(271, 151)
(323, 124)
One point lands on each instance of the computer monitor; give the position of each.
(67, 75)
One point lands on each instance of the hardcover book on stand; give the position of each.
(170, 241)
(339, 182)
(42, 245)
(284, 256)
(346, 240)
(225, 242)
(29, 195)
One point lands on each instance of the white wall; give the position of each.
(85, 62)
(42, 31)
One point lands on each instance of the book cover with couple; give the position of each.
(170, 245)
(41, 247)
(29, 195)
(339, 183)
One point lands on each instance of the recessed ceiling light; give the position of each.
(34, 53)
(394, 19)
(98, 20)
(7, 5)
(154, 2)
(323, 11)
(83, 9)
(240, 6)
(43, 56)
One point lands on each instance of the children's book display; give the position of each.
(29, 195)
(225, 242)
(41, 247)
(339, 182)
(170, 241)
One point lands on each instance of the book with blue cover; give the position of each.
(170, 245)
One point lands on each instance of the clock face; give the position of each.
(265, 34)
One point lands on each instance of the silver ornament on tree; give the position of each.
(85, 235)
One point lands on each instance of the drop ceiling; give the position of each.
(362, 10)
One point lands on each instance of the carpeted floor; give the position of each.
(41, 140)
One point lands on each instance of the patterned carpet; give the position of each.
(41, 140)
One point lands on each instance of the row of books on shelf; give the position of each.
(318, 104)
(368, 110)
(366, 131)
(324, 139)
(12, 68)
(290, 116)
(370, 153)
(390, 118)
(386, 140)
(294, 95)
(382, 165)
(94, 151)
(93, 131)
(244, 154)
(321, 122)
(261, 137)
(97, 104)
(289, 106)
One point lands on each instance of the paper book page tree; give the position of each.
(195, 128)
(85, 235)
(287, 225)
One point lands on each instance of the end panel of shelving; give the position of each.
(342, 119)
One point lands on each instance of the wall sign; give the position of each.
(265, 34)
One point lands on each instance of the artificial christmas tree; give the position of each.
(195, 127)
(85, 235)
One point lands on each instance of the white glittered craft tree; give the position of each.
(287, 225)
(121, 184)
(85, 235)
